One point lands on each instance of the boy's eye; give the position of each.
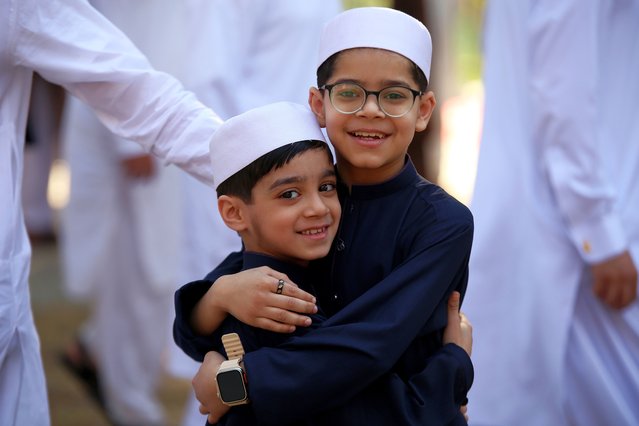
(349, 93)
(395, 94)
(327, 187)
(290, 194)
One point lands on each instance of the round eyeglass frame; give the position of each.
(367, 93)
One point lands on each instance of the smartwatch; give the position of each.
(230, 377)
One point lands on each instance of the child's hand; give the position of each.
(464, 410)
(205, 387)
(251, 297)
(459, 330)
(615, 281)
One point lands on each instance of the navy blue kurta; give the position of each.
(390, 281)
(255, 338)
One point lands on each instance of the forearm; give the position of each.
(100, 66)
(191, 342)
(190, 309)
(432, 397)
(209, 312)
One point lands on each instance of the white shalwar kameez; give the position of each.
(70, 44)
(130, 264)
(557, 190)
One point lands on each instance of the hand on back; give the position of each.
(459, 330)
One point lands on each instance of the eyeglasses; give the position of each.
(394, 101)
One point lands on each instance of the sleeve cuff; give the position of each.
(185, 300)
(126, 148)
(599, 239)
(465, 374)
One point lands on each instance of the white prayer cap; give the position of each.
(381, 28)
(244, 138)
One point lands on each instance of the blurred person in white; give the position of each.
(41, 148)
(70, 44)
(265, 51)
(132, 208)
(553, 275)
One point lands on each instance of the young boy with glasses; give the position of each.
(401, 251)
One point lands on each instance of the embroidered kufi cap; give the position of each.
(381, 28)
(244, 138)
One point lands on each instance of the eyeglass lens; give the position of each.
(349, 98)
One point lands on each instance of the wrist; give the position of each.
(208, 313)
(230, 376)
(218, 295)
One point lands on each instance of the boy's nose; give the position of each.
(371, 106)
(316, 206)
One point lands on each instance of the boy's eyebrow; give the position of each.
(295, 179)
(329, 172)
(385, 83)
(286, 181)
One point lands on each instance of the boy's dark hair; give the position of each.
(325, 71)
(241, 183)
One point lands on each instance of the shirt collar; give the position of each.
(407, 176)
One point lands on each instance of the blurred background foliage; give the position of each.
(348, 4)
(468, 23)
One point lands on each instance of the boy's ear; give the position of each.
(426, 107)
(316, 102)
(232, 212)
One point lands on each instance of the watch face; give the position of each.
(231, 386)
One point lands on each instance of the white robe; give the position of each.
(266, 51)
(131, 264)
(70, 44)
(38, 158)
(556, 190)
(99, 190)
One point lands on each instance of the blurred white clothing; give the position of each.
(121, 235)
(268, 51)
(97, 63)
(556, 191)
(39, 153)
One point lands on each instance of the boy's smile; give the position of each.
(370, 146)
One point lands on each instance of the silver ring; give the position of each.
(280, 287)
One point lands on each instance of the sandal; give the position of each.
(81, 365)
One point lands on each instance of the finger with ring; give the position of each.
(280, 287)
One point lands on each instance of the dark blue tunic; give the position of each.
(402, 248)
(255, 338)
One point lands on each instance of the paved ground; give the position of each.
(57, 319)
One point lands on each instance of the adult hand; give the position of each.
(205, 387)
(458, 330)
(615, 281)
(139, 166)
(251, 297)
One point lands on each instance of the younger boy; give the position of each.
(277, 189)
(402, 248)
